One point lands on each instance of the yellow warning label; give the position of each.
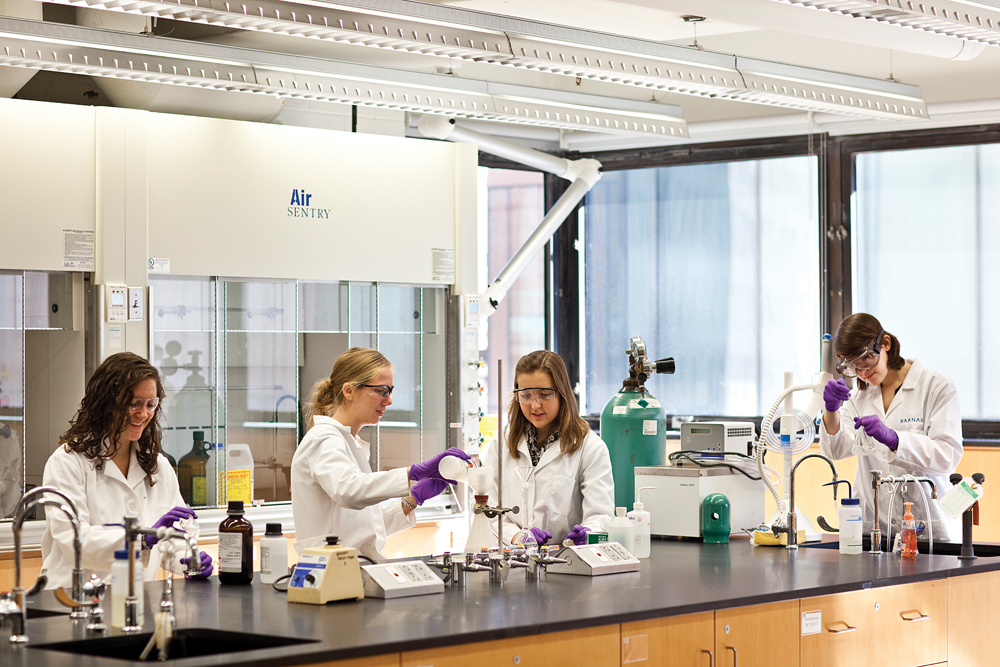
(199, 490)
(238, 485)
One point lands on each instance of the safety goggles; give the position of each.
(864, 361)
(529, 394)
(383, 390)
(140, 403)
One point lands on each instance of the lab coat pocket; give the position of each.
(560, 496)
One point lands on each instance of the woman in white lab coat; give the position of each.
(548, 445)
(334, 491)
(109, 463)
(901, 419)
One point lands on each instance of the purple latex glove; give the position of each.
(167, 521)
(429, 468)
(541, 536)
(427, 488)
(206, 566)
(876, 429)
(578, 534)
(834, 394)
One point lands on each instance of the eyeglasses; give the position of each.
(864, 361)
(383, 390)
(529, 394)
(139, 403)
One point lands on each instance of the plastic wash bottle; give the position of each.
(850, 526)
(621, 531)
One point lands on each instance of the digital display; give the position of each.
(701, 431)
(117, 299)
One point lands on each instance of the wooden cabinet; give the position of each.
(596, 647)
(762, 635)
(388, 660)
(974, 619)
(668, 642)
(845, 628)
(911, 624)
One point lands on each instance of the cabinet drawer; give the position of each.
(766, 635)
(846, 629)
(387, 660)
(911, 626)
(679, 640)
(593, 646)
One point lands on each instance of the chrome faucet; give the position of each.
(791, 523)
(27, 503)
(903, 480)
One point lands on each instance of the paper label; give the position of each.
(812, 623)
(238, 485)
(442, 265)
(619, 410)
(649, 426)
(158, 265)
(78, 250)
(961, 497)
(637, 403)
(230, 552)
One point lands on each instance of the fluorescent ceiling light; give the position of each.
(452, 32)
(76, 50)
(975, 21)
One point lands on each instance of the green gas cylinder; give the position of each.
(633, 424)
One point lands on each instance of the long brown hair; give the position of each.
(104, 412)
(857, 332)
(571, 426)
(357, 366)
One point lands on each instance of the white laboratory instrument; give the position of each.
(400, 580)
(592, 560)
(326, 573)
(718, 437)
(674, 499)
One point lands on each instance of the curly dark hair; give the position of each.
(103, 412)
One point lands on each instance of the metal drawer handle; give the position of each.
(733, 649)
(839, 631)
(911, 618)
(711, 658)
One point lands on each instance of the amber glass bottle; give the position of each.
(235, 547)
(191, 473)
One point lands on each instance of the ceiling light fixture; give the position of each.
(452, 32)
(76, 50)
(977, 21)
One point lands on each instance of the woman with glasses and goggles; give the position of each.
(902, 418)
(566, 463)
(109, 462)
(334, 491)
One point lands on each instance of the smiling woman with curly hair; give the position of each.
(118, 422)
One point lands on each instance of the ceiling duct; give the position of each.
(977, 21)
(99, 53)
(451, 32)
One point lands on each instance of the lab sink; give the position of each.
(186, 643)
(984, 550)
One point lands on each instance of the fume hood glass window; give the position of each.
(926, 250)
(11, 391)
(515, 205)
(715, 265)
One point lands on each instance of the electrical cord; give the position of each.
(688, 455)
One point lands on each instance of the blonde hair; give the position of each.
(573, 429)
(357, 366)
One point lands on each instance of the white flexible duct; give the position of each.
(765, 426)
(583, 174)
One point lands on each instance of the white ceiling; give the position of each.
(960, 81)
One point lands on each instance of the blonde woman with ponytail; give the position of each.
(334, 491)
(566, 463)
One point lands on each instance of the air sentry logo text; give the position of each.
(299, 206)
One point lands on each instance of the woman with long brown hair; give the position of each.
(551, 448)
(334, 491)
(109, 463)
(902, 418)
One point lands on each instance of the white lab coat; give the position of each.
(926, 416)
(102, 497)
(335, 492)
(577, 488)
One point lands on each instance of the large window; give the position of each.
(515, 206)
(927, 261)
(715, 265)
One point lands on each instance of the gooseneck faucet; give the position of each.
(791, 524)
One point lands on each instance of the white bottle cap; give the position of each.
(636, 507)
(619, 511)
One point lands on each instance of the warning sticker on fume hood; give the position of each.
(78, 249)
(442, 265)
(158, 265)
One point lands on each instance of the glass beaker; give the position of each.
(524, 537)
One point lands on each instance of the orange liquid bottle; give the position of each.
(909, 537)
